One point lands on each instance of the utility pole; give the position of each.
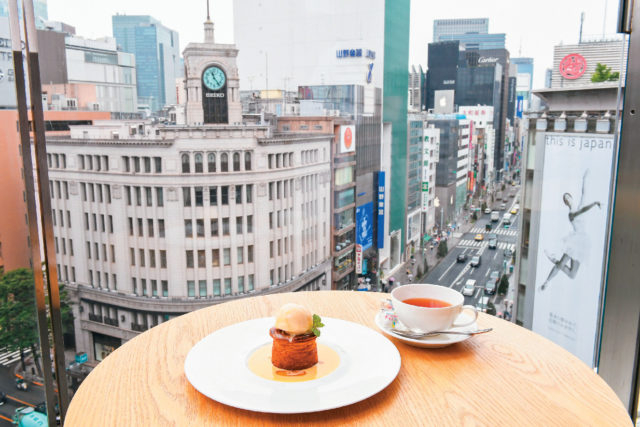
(581, 23)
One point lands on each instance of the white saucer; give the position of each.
(437, 341)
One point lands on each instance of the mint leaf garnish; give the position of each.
(317, 323)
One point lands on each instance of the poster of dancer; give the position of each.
(573, 231)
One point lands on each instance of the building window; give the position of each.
(143, 285)
(225, 226)
(238, 194)
(213, 196)
(140, 230)
(138, 196)
(224, 194)
(165, 288)
(241, 284)
(250, 284)
(247, 161)
(158, 164)
(132, 255)
(226, 255)
(161, 227)
(240, 254)
(159, 196)
(201, 259)
(163, 258)
(249, 193)
(202, 287)
(198, 163)
(152, 258)
(150, 227)
(211, 162)
(236, 161)
(224, 162)
(186, 196)
(141, 252)
(191, 288)
(136, 164)
(249, 223)
(154, 288)
(200, 227)
(134, 285)
(227, 286)
(199, 196)
(149, 196)
(185, 163)
(238, 225)
(214, 227)
(250, 253)
(216, 287)
(147, 164)
(188, 228)
(215, 257)
(189, 259)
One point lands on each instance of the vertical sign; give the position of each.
(574, 207)
(347, 139)
(380, 209)
(358, 259)
(364, 225)
(520, 106)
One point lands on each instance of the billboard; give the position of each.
(380, 208)
(573, 227)
(7, 75)
(347, 139)
(364, 225)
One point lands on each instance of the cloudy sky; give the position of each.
(532, 27)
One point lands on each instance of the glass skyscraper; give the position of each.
(157, 53)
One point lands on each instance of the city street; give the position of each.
(16, 398)
(450, 272)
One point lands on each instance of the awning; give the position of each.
(426, 238)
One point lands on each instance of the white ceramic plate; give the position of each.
(437, 341)
(217, 367)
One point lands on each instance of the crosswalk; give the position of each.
(483, 244)
(500, 231)
(8, 358)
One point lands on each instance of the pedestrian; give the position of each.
(410, 277)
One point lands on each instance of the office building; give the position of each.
(157, 56)
(524, 83)
(343, 48)
(430, 158)
(477, 41)
(417, 84)
(448, 27)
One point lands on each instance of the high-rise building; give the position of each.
(477, 41)
(157, 56)
(417, 84)
(447, 27)
(575, 64)
(342, 48)
(524, 81)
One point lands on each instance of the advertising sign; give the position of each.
(571, 242)
(347, 139)
(519, 106)
(573, 66)
(358, 259)
(364, 225)
(380, 208)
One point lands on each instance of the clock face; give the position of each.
(214, 78)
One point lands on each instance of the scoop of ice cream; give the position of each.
(294, 319)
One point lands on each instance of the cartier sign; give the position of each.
(487, 60)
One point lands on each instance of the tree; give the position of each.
(504, 285)
(442, 249)
(18, 329)
(491, 309)
(474, 216)
(484, 206)
(604, 74)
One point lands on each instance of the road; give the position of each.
(454, 274)
(16, 398)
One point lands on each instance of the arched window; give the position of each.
(185, 163)
(211, 162)
(236, 161)
(224, 162)
(247, 161)
(199, 166)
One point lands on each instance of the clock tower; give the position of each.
(212, 83)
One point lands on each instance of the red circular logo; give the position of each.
(348, 138)
(573, 66)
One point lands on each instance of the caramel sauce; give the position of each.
(260, 364)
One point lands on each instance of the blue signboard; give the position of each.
(519, 105)
(364, 225)
(380, 209)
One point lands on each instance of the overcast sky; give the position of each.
(532, 27)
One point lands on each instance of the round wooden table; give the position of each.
(509, 376)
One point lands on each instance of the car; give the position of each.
(503, 206)
(495, 216)
(483, 304)
(490, 287)
(3, 397)
(469, 288)
(475, 261)
(462, 257)
(487, 210)
(492, 236)
(508, 253)
(479, 237)
(513, 211)
(493, 243)
(494, 276)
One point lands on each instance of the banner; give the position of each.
(358, 259)
(364, 225)
(573, 229)
(380, 208)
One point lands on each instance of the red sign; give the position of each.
(573, 66)
(358, 259)
(348, 138)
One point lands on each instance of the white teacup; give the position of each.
(429, 319)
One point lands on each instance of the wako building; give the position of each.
(155, 221)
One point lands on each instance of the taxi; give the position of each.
(479, 237)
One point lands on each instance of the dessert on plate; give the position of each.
(294, 338)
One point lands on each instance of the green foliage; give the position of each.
(504, 285)
(474, 216)
(18, 328)
(491, 309)
(317, 323)
(604, 74)
(443, 250)
(484, 206)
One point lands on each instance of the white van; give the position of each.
(506, 219)
(495, 216)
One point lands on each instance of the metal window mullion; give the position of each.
(32, 215)
(42, 174)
